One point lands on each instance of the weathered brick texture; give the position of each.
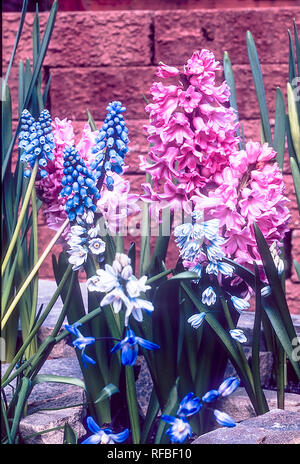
(95, 57)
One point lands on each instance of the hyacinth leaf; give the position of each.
(261, 399)
(278, 311)
(229, 77)
(152, 411)
(51, 378)
(165, 334)
(70, 436)
(296, 178)
(6, 119)
(46, 91)
(297, 43)
(29, 88)
(170, 410)
(132, 404)
(274, 280)
(43, 50)
(297, 267)
(279, 129)
(19, 32)
(294, 120)
(292, 61)
(36, 39)
(259, 87)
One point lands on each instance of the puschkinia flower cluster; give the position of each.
(180, 428)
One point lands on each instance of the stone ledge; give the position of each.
(274, 427)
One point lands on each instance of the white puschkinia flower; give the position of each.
(223, 268)
(121, 287)
(209, 297)
(238, 334)
(78, 256)
(196, 320)
(266, 291)
(97, 246)
(239, 303)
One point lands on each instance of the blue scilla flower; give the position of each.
(37, 141)
(79, 184)
(81, 342)
(228, 386)
(224, 419)
(111, 144)
(189, 406)
(180, 429)
(210, 396)
(129, 347)
(103, 436)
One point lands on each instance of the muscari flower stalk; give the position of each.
(103, 436)
(111, 145)
(79, 186)
(37, 141)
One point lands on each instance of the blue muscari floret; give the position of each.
(111, 144)
(129, 347)
(81, 342)
(37, 141)
(79, 184)
(103, 436)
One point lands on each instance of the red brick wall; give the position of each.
(100, 56)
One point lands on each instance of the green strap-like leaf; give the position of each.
(21, 24)
(296, 179)
(259, 87)
(279, 129)
(41, 378)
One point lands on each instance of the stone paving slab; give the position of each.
(274, 427)
(43, 394)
